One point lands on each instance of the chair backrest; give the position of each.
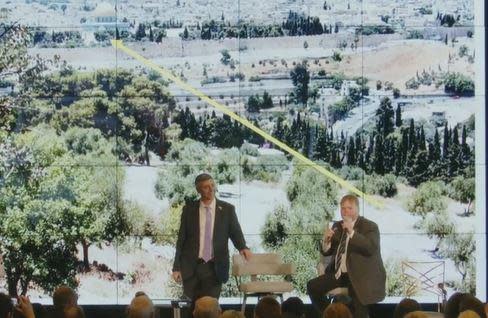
(261, 264)
(424, 278)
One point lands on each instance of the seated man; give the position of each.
(355, 244)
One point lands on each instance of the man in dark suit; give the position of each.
(354, 244)
(202, 254)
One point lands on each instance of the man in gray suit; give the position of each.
(202, 253)
(354, 244)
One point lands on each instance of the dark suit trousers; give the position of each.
(203, 283)
(318, 288)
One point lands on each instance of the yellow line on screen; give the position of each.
(224, 109)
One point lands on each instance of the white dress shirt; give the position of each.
(342, 266)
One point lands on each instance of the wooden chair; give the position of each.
(261, 264)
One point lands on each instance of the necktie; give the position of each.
(207, 238)
(340, 251)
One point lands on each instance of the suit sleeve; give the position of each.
(181, 240)
(367, 242)
(235, 231)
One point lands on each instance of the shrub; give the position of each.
(274, 233)
(428, 198)
(381, 185)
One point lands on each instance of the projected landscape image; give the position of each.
(99, 150)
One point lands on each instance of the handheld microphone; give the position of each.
(336, 224)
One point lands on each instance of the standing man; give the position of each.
(202, 254)
(354, 244)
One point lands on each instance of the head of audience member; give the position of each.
(63, 297)
(349, 207)
(39, 310)
(459, 302)
(293, 307)
(207, 307)
(267, 307)
(468, 314)
(470, 302)
(451, 310)
(232, 314)
(416, 314)
(406, 306)
(6, 306)
(74, 312)
(337, 310)
(141, 306)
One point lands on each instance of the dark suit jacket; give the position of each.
(363, 260)
(226, 226)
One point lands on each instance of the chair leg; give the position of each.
(243, 306)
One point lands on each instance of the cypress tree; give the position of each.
(398, 117)
(378, 156)
(445, 145)
(351, 152)
(421, 140)
(466, 153)
(418, 171)
(385, 114)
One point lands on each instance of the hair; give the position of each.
(267, 307)
(337, 310)
(6, 305)
(293, 307)
(471, 303)
(141, 306)
(202, 177)
(232, 314)
(39, 310)
(460, 302)
(74, 312)
(206, 307)
(350, 198)
(469, 314)
(451, 309)
(417, 314)
(64, 296)
(405, 306)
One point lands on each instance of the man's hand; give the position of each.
(329, 232)
(24, 307)
(177, 276)
(246, 253)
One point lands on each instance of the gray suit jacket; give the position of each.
(226, 226)
(363, 260)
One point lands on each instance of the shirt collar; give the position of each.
(211, 205)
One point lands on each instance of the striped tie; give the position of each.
(340, 251)
(207, 238)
